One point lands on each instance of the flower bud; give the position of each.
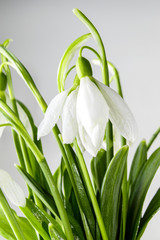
(12, 189)
(83, 68)
(3, 81)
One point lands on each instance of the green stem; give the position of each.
(91, 49)
(99, 42)
(69, 71)
(117, 79)
(91, 192)
(11, 218)
(109, 141)
(153, 138)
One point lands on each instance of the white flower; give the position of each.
(85, 112)
(92, 115)
(12, 189)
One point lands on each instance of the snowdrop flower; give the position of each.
(86, 111)
(12, 189)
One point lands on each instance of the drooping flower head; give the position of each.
(86, 110)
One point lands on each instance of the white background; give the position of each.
(42, 30)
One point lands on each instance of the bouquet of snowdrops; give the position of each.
(70, 204)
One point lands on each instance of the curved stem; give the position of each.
(91, 49)
(99, 42)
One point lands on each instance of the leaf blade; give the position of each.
(111, 190)
(138, 193)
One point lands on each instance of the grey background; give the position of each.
(42, 30)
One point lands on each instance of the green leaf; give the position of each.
(138, 193)
(37, 172)
(76, 228)
(111, 192)
(27, 228)
(139, 160)
(98, 168)
(75, 208)
(53, 233)
(5, 229)
(79, 188)
(36, 218)
(67, 185)
(40, 220)
(67, 57)
(44, 196)
(57, 179)
(151, 210)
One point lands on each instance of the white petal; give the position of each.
(92, 110)
(69, 120)
(98, 134)
(52, 113)
(12, 189)
(80, 143)
(86, 140)
(4, 177)
(120, 114)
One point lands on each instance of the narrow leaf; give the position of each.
(139, 159)
(151, 210)
(79, 188)
(98, 168)
(138, 193)
(44, 196)
(5, 229)
(40, 220)
(67, 185)
(111, 191)
(53, 233)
